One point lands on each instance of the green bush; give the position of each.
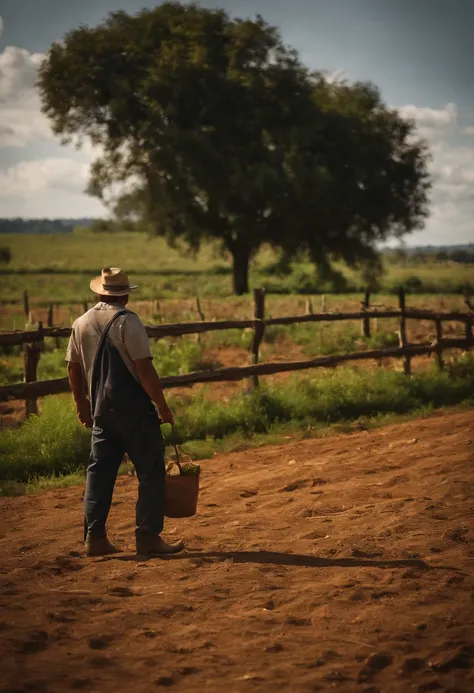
(54, 443)
(10, 373)
(343, 394)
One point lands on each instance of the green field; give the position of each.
(54, 444)
(57, 268)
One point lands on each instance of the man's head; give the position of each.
(113, 286)
(121, 300)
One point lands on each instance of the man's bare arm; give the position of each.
(78, 387)
(150, 382)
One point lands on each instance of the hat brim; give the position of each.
(98, 288)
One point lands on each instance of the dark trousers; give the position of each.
(112, 437)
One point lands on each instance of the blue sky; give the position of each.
(419, 52)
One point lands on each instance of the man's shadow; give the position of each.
(275, 558)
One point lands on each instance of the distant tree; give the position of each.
(419, 257)
(103, 226)
(5, 255)
(399, 256)
(219, 132)
(462, 255)
(442, 255)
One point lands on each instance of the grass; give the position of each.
(53, 444)
(45, 445)
(57, 268)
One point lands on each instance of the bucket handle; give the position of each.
(173, 443)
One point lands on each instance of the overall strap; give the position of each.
(107, 328)
(99, 347)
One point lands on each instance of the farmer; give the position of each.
(115, 384)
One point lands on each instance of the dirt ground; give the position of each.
(344, 563)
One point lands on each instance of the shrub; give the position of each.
(5, 255)
(54, 443)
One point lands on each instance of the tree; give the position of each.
(5, 255)
(212, 129)
(442, 255)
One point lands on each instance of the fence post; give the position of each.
(259, 327)
(202, 317)
(470, 306)
(50, 315)
(309, 307)
(31, 355)
(468, 332)
(323, 303)
(439, 348)
(402, 335)
(467, 300)
(365, 325)
(199, 309)
(26, 304)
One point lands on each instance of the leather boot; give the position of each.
(156, 546)
(99, 546)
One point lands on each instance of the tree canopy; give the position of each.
(211, 128)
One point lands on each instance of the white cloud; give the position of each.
(21, 120)
(452, 209)
(54, 185)
(452, 168)
(32, 177)
(51, 187)
(432, 123)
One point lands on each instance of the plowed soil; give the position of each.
(343, 563)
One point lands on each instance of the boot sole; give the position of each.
(144, 552)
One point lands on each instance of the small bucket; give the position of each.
(181, 491)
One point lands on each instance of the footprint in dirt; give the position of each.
(295, 486)
(67, 616)
(298, 621)
(100, 643)
(376, 662)
(313, 535)
(37, 641)
(165, 681)
(121, 592)
(100, 662)
(248, 493)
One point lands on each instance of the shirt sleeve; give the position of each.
(72, 352)
(135, 338)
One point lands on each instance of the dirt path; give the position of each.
(337, 564)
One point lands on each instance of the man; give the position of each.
(115, 384)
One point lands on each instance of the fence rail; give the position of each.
(18, 337)
(43, 388)
(32, 341)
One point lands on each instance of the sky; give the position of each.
(420, 53)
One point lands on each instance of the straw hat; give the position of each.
(112, 282)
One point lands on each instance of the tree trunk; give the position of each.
(240, 270)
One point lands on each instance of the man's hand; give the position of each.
(84, 415)
(78, 387)
(150, 382)
(166, 415)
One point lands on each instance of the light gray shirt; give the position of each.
(127, 334)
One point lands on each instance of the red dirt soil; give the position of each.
(341, 564)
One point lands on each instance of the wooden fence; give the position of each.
(32, 340)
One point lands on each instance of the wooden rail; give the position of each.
(43, 388)
(17, 337)
(33, 342)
